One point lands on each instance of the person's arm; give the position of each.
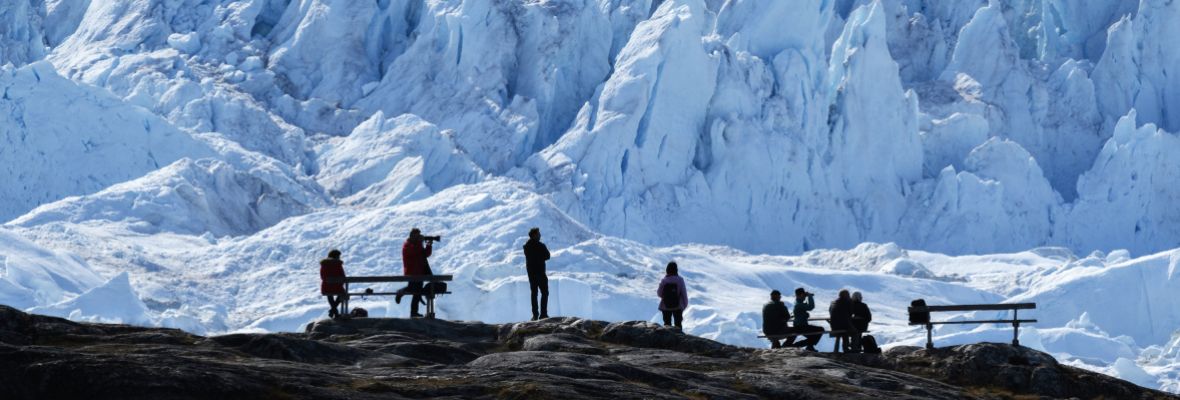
(868, 314)
(660, 290)
(546, 249)
(809, 304)
(429, 249)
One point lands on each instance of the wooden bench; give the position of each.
(428, 291)
(1015, 321)
(835, 347)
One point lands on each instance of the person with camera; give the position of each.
(774, 319)
(330, 268)
(414, 256)
(805, 302)
(535, 255)
(673, 296)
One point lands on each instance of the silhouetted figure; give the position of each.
(805, 302)
(414, 262)
(840, 312)
(332, 267)
(861, 316)
(774, 319)
(535, 255)
(673, 296)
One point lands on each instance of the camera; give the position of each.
(432, 238)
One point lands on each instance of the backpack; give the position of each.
(919, 317)
(868, 343)
(434, 287)
(359, 313)
(671, 296)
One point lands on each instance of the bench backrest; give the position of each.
(975, 307)
(392, 278)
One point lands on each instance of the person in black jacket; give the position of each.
(774, 319)
(861, 316)
(535, 255)
(840, 312)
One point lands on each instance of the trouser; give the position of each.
(855, 339)
(789, 341)
(810, 338)
(334, 301)
(538, 282)
(416, 289)
(673, 317)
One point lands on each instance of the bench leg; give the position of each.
(344, 305)
(929, 336)
(430, 304)
(1015, 329)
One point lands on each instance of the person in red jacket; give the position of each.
(414, 262)
(332, 267)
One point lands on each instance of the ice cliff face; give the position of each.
(247, 136)
(785, 126)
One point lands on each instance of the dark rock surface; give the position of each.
(44, 357)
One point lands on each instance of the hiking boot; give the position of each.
(544, 316)
(398, 299)
(415, 315)
(332, 313)
(811, 348)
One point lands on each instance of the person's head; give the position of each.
(843, 294)
(672, 269)
(535, 233)
(775, 295)
(857, 297)
(415, 235)
(800, 293)
(334, 254)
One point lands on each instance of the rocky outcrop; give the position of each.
(45, 357)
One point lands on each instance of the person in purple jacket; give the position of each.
(673, 296)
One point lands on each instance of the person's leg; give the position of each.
(332, 303)
(678, 317)
(534, 287)
(667, 317)
(544, 286)
(814, 338)
(774, 344)
(856, 341)
(416, 287)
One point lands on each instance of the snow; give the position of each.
(197, 156)
(112, 302)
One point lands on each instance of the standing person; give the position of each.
(535, 255)
(774, 319)
(861, 316)
(840, 312)
(332, 267)
(805, 302)
(414, 263)
(673, 296)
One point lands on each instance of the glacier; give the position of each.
(182, 163)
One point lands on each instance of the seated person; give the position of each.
(774, 320)
(805, 302)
